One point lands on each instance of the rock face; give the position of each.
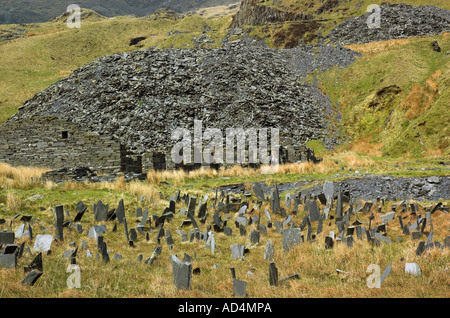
(396, 21)
(250, 13)
(140, 98)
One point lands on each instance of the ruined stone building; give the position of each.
(117, 114)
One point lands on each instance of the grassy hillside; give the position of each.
(325, 15)
(394, 99)
(51, 51)
(34, 11)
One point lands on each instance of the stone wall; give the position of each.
(54, 143)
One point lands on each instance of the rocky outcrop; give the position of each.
(396, 21)
(252, 12)
(140, 98)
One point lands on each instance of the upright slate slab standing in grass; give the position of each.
(227, 231)
(104, 251)
(32, 277)
(80, 208)
(211, 242)
(202, 210)
(8, 260)
(291, 238)
(35, 264)
(242, 220)
(239, 288)
(7, 238)
(156, 251)
(172, 206)
(217, 221)
(237, 251)
(278, 226)
(387, 217)
(367, 207)
(350, 241)
(420, 248)
(268, 251)
(267, 214)
(125, 225)
(447, 241)
(144, 217)
(96, 231)
(159, 234)
(287, 221)
(275, 200)
(339, 205)
(242, 230)
(182, 272)
(120, 211)
(100, 211)
(58, 222)
(429, 238)
(138, 212)
(273, 274)
(320, 225)
(295, 206)
(314, 212)
(328, 191)
(191, 205)
(169, 239)
(329, 242)
(258, 190)
(133, 235)
(191, 217)
(385, 274)
(43, 243)
(254, 237)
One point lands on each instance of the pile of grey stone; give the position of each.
(123, 95)
(396, 21)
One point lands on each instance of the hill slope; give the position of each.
(386, 109)
(33, 11)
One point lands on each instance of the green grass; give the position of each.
(403, 65)
(316, 265)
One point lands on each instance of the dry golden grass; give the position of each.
(19, 177)
(421, 97)
(216, 11)
(365, 147)
(379, 46)
(13, 202)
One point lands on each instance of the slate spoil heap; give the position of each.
(396, 21)
(141, 97)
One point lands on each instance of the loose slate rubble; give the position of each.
(399, 21)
